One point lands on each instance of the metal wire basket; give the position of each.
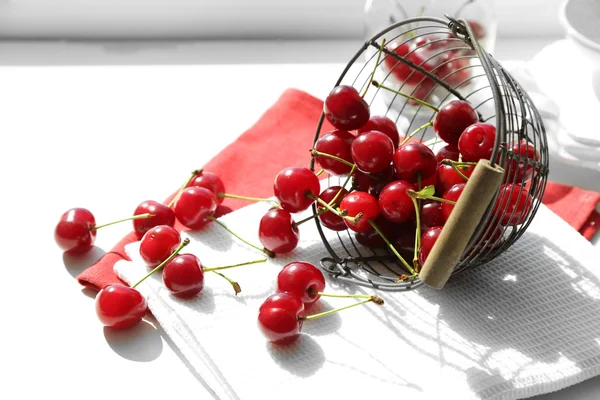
(466, 73)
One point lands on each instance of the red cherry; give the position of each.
(209, 181)
(478, 29)
(447, 152)
(453, 119)
(448, 177)
(336, 143)
(158, 244)
(183, 276)
(427, 241)
(120, 307)
(477, 142)
(414, 158)
(372, 152)
(278, 318)
(345, 109)
(452, 69)
(163, 215)
(302, 280)
(329, 219)
(452, 194)
(194, 205)
(384, 125)
(520, 171)
(395, 205)
(370, 238)
(431, 214)
(277, 232)
(73, 232)
(292, 185)
(512, 205)
(360, 202)
(401, 71)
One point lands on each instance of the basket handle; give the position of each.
(462, 223)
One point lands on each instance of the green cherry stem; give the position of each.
(417, 234)
(374, 299)
(392, 248)
(447, 161)
(236, 286)
(139, 216)
(413, 194)
(458, 171)
(321, 212)
(262, 260)
(339, 296)
(185, 242)
(374, 68)
(426, 104)
(354, 220)
(413, 133)
(256, 199)
(192, 176)
(262, 250)
(333, 201)
(316, 153)
(319, 173)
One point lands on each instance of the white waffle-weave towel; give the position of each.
(525, 324)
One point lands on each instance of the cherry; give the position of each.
(302, 280)
(359, 203)
(183, 276)
(336, 143)
(414, 159)
(512, 205)
(402, 71)
(404, 239)
(448, 177)
(370, 238)
(384, 125)
(162, 215)
(452, 195)
(329, 219)
(158, 244)
(520, 171)
(447, 152)
(345, 109)
(372, 152)
(427, 241)
(74, 233)
(120, 307)
(478, 29)
(477, 142)
(452, 69)
(395, 205)
(209, 181)
(293, 186)
(279, 318)
(431, 214)
(277, 232)
(194, 205)
(453, 119)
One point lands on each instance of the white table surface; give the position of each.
(105, 126)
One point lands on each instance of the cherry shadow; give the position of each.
(75, 264)
(293, 357)
(141, 343)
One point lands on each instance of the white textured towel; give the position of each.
(525, 324)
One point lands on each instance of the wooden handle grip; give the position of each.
(462, 223)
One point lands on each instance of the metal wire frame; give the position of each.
(506, 105)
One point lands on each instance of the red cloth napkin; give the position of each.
(282, 137)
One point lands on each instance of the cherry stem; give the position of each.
(332, 202)
(319, 173)
(426, 104)
(313, 292)
(417, 204)
(447, 161)
(234, 284)
(374, 299)
(316, 153)
(321, 212)
(192, 176)
(185, 242)
(235, 196)
(354, 220)
(391, 246)
(374, 68)
(459, 172)
(413, 133)
(139, 216)
(416, 195)
(268, 253)
(262, 260)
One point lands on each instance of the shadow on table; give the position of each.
(141, 343)
(75, 264)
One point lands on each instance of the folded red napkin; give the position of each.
(282, 137)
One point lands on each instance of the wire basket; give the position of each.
(462, 70)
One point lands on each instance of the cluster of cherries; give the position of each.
(299, 286)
